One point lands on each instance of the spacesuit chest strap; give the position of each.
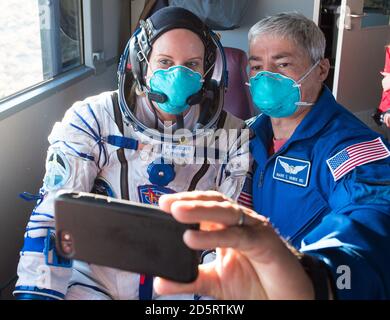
(124, 183)
(123, 142)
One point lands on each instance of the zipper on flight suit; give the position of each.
(260, 182)
(261, 179)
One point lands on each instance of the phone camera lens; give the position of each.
(66, 242)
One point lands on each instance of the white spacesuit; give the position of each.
(81, 159)
(104, 145)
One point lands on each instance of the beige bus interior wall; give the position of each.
(257, 10)
(24, 142)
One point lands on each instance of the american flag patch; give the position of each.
(245, 197)
(356, 155)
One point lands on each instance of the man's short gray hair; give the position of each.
(295, 26)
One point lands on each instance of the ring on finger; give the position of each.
(241, 220)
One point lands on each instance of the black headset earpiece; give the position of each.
(162, 98)
(157, 97)
(195, 98)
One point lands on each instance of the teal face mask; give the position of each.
(178, 83)
(276, 95)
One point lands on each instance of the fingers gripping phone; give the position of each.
(124, 235)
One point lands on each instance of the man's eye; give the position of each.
(283, 65)
(256, 68)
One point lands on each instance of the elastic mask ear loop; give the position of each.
(304, 104)
(208, 70)
(299, 83)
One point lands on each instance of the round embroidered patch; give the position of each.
(103, 187)
(57, 170)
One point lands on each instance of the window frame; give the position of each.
(92, 63)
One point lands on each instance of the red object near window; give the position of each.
(385, 102)
(387, 62)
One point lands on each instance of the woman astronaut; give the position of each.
(161, 132)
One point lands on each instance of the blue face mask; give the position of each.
(178, 83)
(276, 95)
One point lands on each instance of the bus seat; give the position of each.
(237, 96)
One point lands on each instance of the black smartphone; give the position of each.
(124, 235)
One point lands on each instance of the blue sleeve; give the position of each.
(354, 238)
(29, 296)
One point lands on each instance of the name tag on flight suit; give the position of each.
(292, 171)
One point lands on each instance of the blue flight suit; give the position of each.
(344, 222)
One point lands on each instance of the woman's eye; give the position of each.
(165, 62)
(192, 64)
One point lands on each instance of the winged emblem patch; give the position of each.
(290, 170)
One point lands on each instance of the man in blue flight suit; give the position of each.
(321, 187)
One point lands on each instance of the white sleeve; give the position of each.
(234, 177)
(72, 163)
